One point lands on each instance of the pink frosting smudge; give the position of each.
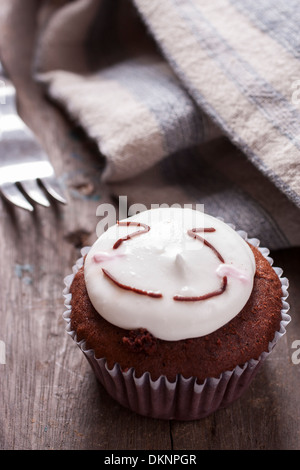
(229, 270)
(102, 256)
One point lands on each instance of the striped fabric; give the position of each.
(239, 73)
(185, 96)
(136, 110)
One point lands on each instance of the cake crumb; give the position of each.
(140, 340)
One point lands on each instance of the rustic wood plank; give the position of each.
(49, 396)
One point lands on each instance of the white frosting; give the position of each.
(168, 262)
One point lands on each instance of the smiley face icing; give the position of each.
(179, 273)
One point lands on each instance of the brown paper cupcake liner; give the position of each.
(183, 399)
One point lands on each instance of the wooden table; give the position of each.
(49, 397)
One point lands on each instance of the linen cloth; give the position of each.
(189, 101)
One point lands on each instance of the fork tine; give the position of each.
(35, 193)
(53, 188)
(23, 162)
(12, 193)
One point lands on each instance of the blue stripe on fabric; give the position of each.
(152, 84)
(280, 20)
(280, 113)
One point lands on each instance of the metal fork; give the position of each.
(26, 174)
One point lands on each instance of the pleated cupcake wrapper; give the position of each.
(183, 399)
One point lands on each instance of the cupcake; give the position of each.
(175, 311)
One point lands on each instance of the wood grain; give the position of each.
(49, 397)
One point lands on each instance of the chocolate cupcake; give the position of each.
(175, 311)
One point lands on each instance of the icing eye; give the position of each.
(194, 233)
(112, 278)
(131, 235)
